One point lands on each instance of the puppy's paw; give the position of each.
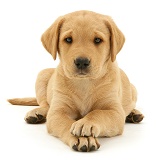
(85, 144)
(37, 115)
(134, 117)
(85, 128)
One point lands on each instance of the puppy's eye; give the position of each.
(68, 40)
(97, 40)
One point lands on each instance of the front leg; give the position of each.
(100, 123)
(59, 122)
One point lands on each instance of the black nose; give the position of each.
(82, 63)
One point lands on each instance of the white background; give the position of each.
(22, 56)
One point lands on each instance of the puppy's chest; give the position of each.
(83, 103)
(84, 99)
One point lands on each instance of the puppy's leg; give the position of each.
(38, 115)
(59, 122)
(134, 117)
(100, 123)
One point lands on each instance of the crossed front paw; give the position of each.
(85, 144)
(85, 128)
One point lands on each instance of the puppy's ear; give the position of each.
(117, 38)
(50, 37)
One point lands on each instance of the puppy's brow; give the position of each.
(67, 33)
(100, 35)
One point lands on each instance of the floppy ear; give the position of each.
(50, 37)
(117, 38)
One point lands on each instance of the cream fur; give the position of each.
(81, 107)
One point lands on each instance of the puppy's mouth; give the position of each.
(81, 73)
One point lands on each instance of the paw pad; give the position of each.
(134, 118)
(34, 120)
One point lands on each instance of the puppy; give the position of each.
(87, 95)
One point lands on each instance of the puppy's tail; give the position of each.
(24, 101)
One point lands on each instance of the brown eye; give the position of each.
(97, 40)
(68, 40)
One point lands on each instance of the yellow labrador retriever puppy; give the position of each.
(87, 95)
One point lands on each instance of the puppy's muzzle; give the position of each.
(82, 63)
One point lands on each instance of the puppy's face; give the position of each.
(84, 46)
(86, 43)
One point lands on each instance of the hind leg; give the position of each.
(38, 115)
(134, 117)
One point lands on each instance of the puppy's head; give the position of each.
(86, 42)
